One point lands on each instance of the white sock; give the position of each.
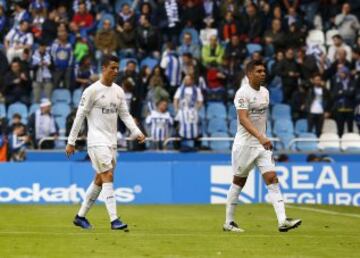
(231, 202)
(110, 201)
(92, 193)
(277, 201)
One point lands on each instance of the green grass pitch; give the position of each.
(178, 231)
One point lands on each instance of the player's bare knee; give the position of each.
(270, 178)
(106, 177)
(240, 181)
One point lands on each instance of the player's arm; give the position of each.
(129, 121)
(246, 123)
(85, 105)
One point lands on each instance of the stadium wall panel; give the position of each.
(178, 182)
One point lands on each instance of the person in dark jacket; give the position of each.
(344, 100)
(317, 104)
(147, 38)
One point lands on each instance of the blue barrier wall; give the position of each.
(177, 182)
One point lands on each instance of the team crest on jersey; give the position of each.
(242, 103)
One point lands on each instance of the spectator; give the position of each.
(49, 28)
(17, 40)
(82, 18)
(85, 73)
(21, 14)
(156, 88)
(42, 124)
(274, 38)
(339, 62)
(235, 51)
(39, 16)
(344, 100)
(208, 31)
(18, 141)
(81, 48)
(230, 5)
(106, 40)
(127, 40)
(347, 24)
(147, 38)
(147, 10)
(193, 13)
(42, 77)
(294, 38)
(62, 56)
(211, 9)
(252, 30)
(212, 53)
(188, 46)
(338, 43)
(15, 121)
(188, 100)
(171, 64)
(126, 14)
(131, 72)
(169, 20)
(17, 84)
(160, 122)
(3, 22)
(229, 27)
(317, 104)
(290, 73)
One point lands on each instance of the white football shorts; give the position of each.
(103, 158)
(244, 158)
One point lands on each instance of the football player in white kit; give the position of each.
(252, 148)
(101, 104)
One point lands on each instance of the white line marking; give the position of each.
(335, 213)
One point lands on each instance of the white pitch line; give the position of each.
(335, 213)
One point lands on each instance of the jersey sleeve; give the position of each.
(241, 101)
(86, 103)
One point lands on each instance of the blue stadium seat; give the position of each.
(217, 125)
(233, 127)
(33, 108)
(285, 142)
(19, 108)
(307, 146)
(301, 126)
(276, 95)
(76, 97)
(281, 111)
(216, 109)
(60, 112)
(220, 145)
(232, 114)
(268, 129)
(2, 110)
(149, 62)
(61, 96)
(251, 48)
(283, 127)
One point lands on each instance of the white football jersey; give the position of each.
(101, 105)
(257, 103)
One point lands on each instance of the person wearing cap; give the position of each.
(42, 124)
(344, 99)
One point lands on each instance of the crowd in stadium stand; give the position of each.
(181, 64)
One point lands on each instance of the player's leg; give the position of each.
(242, 163)
(267, 169)
(91, 195)
(107, 178)
(231, 203)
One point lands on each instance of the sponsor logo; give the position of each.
(221, 178)
(73, 193)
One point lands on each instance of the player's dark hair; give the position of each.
(252, 64)
(106, 59)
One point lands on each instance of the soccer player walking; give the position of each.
(101, 103)
(251, 147)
